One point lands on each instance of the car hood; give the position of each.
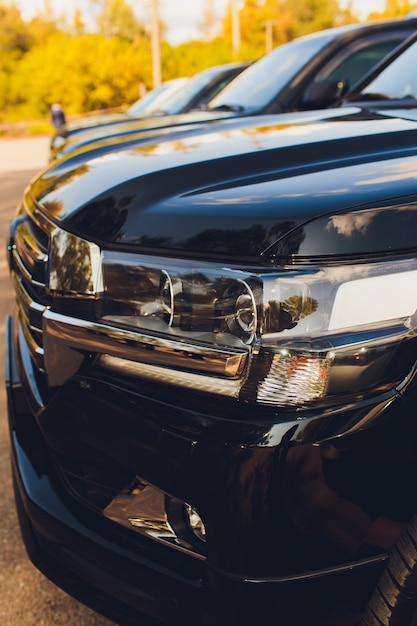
(251, 190)
(64, 143)
(90, 122)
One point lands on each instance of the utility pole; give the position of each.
(268, 35)
(156, 45)
(235, 28)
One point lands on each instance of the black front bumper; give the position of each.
(134, 580)
(82, 552)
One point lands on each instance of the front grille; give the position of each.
(29, 264)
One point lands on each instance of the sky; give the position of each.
(182, 18)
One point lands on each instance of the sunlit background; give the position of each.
(183, 18)
(102, 55)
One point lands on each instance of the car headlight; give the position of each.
(308, 334)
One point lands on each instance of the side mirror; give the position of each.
(323, 93)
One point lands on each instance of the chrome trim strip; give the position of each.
(24, 272)
(20, 266)
(24, 297)
(186, 380)
(34, 348)
(28, 309)
(31, 246)
(61, 332)
(319, 573)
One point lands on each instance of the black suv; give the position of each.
(308, 73)
(191, 93)
(211, 370)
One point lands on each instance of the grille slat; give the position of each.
(30, 256)
(30, 253)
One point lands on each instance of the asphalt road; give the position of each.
(27, 598)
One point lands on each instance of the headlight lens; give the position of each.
(312, 333)
(193, 302)
(319, 332)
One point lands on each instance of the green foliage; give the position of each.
(287, 20)
(117, 19)
(45, 61)
(394, 8)
(14, 34)
(189, 58)
(83, 73)
(314, 15)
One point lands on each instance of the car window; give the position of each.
(213, 91)
(352, 64)
(181, 98)
(153, 100)
(259, 84)
(141, 106)
(398, 80)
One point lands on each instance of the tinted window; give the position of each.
(260, 83)
(398, 80)
(181, 98)
(142, 105)
(352, 65)
(153, 100)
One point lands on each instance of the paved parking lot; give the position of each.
(27, 598)
(26, 154)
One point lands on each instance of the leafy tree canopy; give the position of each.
(117, 19)
(394, 8)
(48, 60)
(14, 32)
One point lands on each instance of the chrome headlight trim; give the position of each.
(67, 338)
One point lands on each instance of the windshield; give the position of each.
(260, 83)
(397, 81)
(154, 99)
(181, 98)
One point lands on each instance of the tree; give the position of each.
(40, 28)
(15, 41)
(208, 25)
(81, 73)
(285, 20)
(117, 19)
(78, 23)
(394, 8)
(305, 16)
(314, 15)
(49, 61)
(14, 35)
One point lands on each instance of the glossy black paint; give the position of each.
(188, 197)
(301, 505)
(255, 488)
(178, 447)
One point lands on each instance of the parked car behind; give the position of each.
(154, 99)
(211, 370)
(145, 105)
(172, 98)
(306, 74)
